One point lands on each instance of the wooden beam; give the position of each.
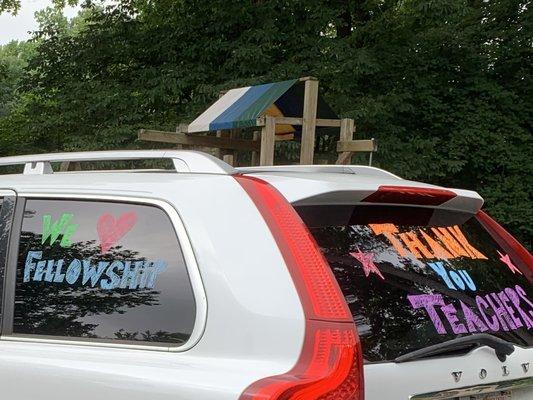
(345, 158)
(346, 134)
(307, 150)
(281, 121)
(322, 122)
(284, 137)
(268, 141)
(197, 140)
(329, 123)
(357, 145)
(347, 129)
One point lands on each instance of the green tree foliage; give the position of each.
(445, 86)
(13, 6)
(13, 61)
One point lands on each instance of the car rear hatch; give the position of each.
(440, 294)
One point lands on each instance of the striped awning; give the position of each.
(240, 108)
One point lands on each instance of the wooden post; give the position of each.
(69, 166)
(309, 121)
(268, 133)
(218, 151)
(255, 154)
(64, 166)
(347, 133)
(234, 134)
(228, 159)
(181, 128)
(228, 156)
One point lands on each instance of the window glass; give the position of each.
(6, 208)
(101, 270)
(3, 230)
(3, 243)
(412, 283)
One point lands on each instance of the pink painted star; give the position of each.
(507, 260)
(367, 259)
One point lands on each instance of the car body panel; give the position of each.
(254, 324)
(437, 374)
(317, 188)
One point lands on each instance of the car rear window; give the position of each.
(104, 271)
(415, 277)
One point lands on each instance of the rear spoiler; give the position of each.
(302, 189)
(464, 201)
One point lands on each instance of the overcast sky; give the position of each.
(17, 27)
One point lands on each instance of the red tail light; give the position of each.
(410, 195)
(330, 365)
(519, 253)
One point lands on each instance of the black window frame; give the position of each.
(7, 210)
(11, 264)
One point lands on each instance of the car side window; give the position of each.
(105, 271)
(3, 234)
(6, 209)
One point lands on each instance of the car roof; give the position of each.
(302, 185)
(139, 183)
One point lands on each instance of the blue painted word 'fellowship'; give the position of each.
(105, 274)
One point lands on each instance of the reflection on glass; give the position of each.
(69, 286)
(389, 325)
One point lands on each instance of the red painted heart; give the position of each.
(111, 230)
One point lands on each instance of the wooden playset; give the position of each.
(288, 110)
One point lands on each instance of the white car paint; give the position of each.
(254, 322)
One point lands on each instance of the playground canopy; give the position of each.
(241, 107)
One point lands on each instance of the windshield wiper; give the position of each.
(500, 346)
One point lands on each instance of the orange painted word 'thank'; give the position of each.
(442, 242)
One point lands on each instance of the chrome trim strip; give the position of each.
(190, 262)
(477, 389)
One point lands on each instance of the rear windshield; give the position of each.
(417, 277)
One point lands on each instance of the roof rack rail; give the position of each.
(331, 169)
(185, 161)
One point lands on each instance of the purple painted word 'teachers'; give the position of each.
(507, 310)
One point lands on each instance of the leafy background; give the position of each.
(445, 86)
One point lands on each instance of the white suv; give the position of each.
(266, 283)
